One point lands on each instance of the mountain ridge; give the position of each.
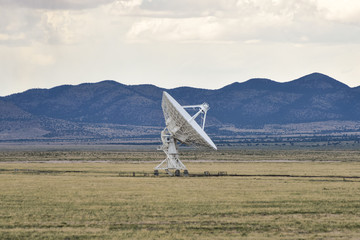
(317, 80)
(254, 103)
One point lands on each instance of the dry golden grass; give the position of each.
(88, 200)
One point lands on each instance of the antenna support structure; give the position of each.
(181, 128)
(171, 162)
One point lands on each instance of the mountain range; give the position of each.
(111, 110)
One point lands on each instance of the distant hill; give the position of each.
(103, 102)
(87, 109)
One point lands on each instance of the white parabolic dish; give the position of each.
(182, 126)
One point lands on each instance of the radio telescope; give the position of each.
(181, 128)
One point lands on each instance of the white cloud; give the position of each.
(345, 11)
(229, 21)
(170, 29)
(42, 59)
(181, 20)
(24, 26)
(61, 27)
(14, 37)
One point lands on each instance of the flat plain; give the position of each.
(281, 194)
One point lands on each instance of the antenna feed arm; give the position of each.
(204, 107)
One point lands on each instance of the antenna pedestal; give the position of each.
(180, 128)
(172, 161)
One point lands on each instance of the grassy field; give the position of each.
(237, 155)
(80, 195)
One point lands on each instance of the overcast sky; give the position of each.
(171, 43)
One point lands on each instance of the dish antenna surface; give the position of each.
(181, 128)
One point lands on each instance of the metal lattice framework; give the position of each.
(181, 127)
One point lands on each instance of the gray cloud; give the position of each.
(188, 8)
(19, 26)
(55, 4)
